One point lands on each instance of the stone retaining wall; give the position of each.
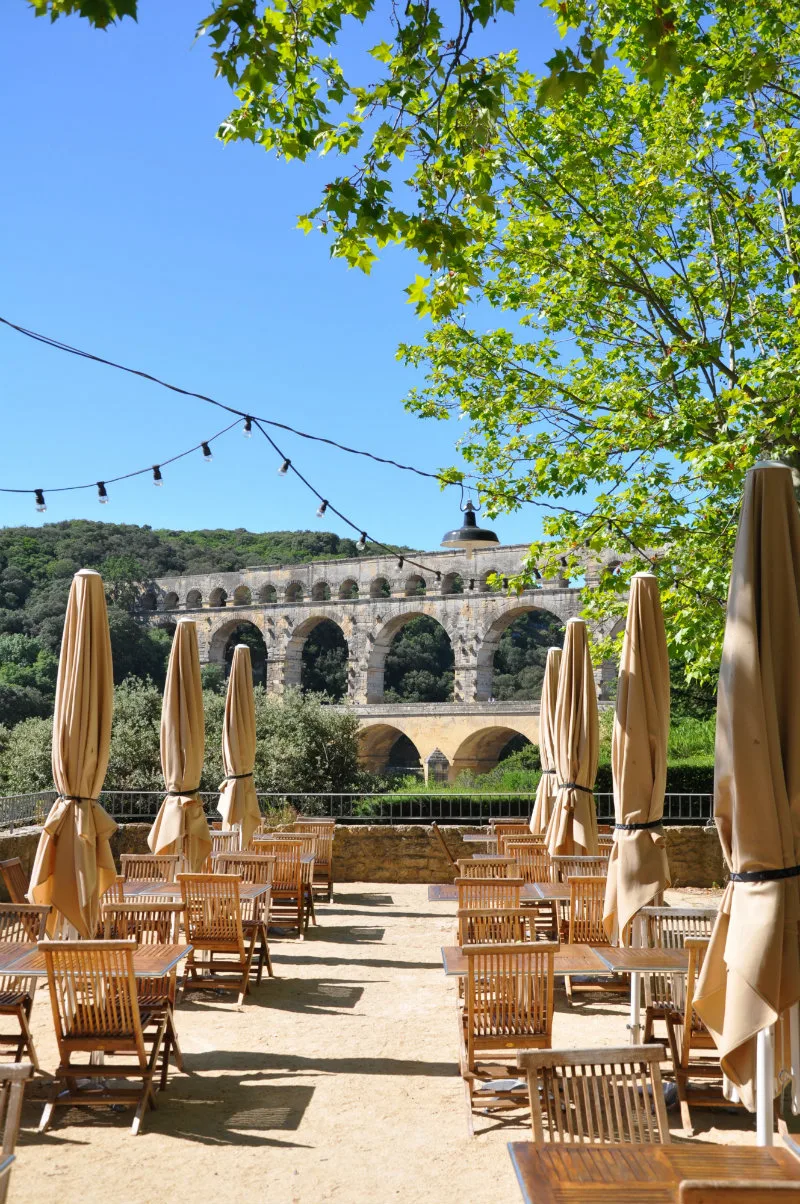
(411, 853)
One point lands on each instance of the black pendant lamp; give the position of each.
(469, 536)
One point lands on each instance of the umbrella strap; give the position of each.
(234, 777)
(77, 798)
(654, 823)
(792, 871)
(549, 771)
(178, 793)
(575, 786)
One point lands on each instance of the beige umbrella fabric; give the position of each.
(238, 803)
(546, 790)
(751, 974)
(572, 830)
(637, 868)
(180, 826)
(74, 864)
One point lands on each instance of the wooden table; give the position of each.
(637, 1174)
(479, 838)
(570, 959)
(135, 888)
(149, 961)
(637, 962)
(447, 892)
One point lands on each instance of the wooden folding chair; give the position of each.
(596, 1096)
(151, 924)
(509, 1006)
(586, 905)
(532, 860)
(20, 922)
(692, 1049)
(148, 867)
(15, 879)
(485, 867)
(739, 1191)
(308, 848)
(221, 958)
(484, 893)
(668, 928)
(258, 868)
(288, 885)
(96, 1010)
(325, 831)
(13, 1078)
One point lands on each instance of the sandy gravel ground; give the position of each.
(336, 1081)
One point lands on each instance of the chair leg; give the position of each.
(470, 1113)
(28, 1040)
(568, 987)
(47, 1116)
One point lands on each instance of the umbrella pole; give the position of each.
(765, 1083)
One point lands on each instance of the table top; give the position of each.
(447, 892)
(149, 961)
(136, 888)
(552, 890)
(479, 838)
(644, 961)
(636, 1174)
(570, 959)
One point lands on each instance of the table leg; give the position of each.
(636, 1007)
(794, 1032)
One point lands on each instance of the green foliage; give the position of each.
(521, 654)
(325, 662)
(303, 745)
(100, 13)
(419, 664)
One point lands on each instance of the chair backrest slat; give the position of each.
(324, 831)
(149, 867)
(586, 904)
(287, 853)
(486, 867)
(23, 923)
(532, 859)
(93, 994)
(489, 892)
(477, 926)
(509, 993)
(250, 867)
(669, 928)
(212, 909)
(597, 1096)
(579, 867)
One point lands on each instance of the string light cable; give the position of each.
(248, 418)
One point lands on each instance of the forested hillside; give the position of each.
(37, 565)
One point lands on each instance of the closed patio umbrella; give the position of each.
(751, 973)
(238, 804)
(546, 790)
(180, 826)
(74, 864)
(572, 830)
(638, 869)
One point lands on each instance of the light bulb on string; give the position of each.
(41, 504)
(157, 477)
(323, 506)
(207, 456)
(102, 493)
(284, 468)
(362, 543)
(248, 428)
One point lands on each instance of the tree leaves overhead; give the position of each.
(100, 13)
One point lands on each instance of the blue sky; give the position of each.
(128, 230)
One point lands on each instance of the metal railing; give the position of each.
(141, 806)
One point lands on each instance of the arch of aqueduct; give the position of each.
(370, 599)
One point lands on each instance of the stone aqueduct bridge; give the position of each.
(370, 599)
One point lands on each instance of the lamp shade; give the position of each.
(469, 535)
